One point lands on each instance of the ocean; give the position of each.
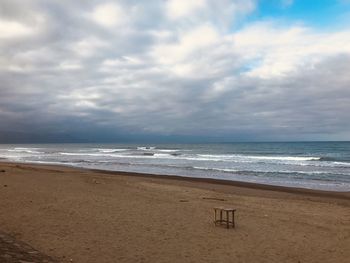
(312, 165)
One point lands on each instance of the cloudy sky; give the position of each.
(174, 70)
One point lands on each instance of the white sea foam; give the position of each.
(111, 150)
(197, 158)
(94, 154)
(342, 163)
(115, 155)
(25, 150)
(163, 155)
(230, 170)
(265, 173)
(280, 158)
(285, 158)
(74, 154)
(167, 150)
(143, 148)
(51, 162)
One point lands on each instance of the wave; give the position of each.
(50, 162)
(112, 154)
(25, 150)
(326, 164)
(144, 148)
(94, 154)
(231, 170)
(227, 170)
(342, 164)
(305, 175)
(327, 159)
(163, 155)
(281, 158)
(345, 161)
(111, 150)
(226, 158)
(152, 148)
(285, 158)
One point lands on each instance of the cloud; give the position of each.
(88, 46)
(10, 29)
(89, 69)
(277, 51)
(109, 15)
(178, 56)
(179, 9)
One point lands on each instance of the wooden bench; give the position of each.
(224, 216)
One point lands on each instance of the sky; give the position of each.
(174, 70)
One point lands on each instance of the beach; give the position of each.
(81, 215)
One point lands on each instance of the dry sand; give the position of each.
(76, 215)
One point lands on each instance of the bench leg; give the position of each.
(227, 219)
(233, 219)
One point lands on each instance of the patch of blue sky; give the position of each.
(322, 14)
(250, 65)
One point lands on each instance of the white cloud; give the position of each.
(109, 15)
(222, 13)
(178, 9)
(70, 65)
(13, 29)
(274, 51)
(87, 47)
(219, 88)
(179, 56)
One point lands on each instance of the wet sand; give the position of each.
(14, 251)
(77, 215)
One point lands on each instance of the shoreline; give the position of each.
(287, 165)
(256, 186)
(240, 184)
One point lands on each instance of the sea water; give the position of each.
(314, 165)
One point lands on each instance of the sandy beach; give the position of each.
(77, 215)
